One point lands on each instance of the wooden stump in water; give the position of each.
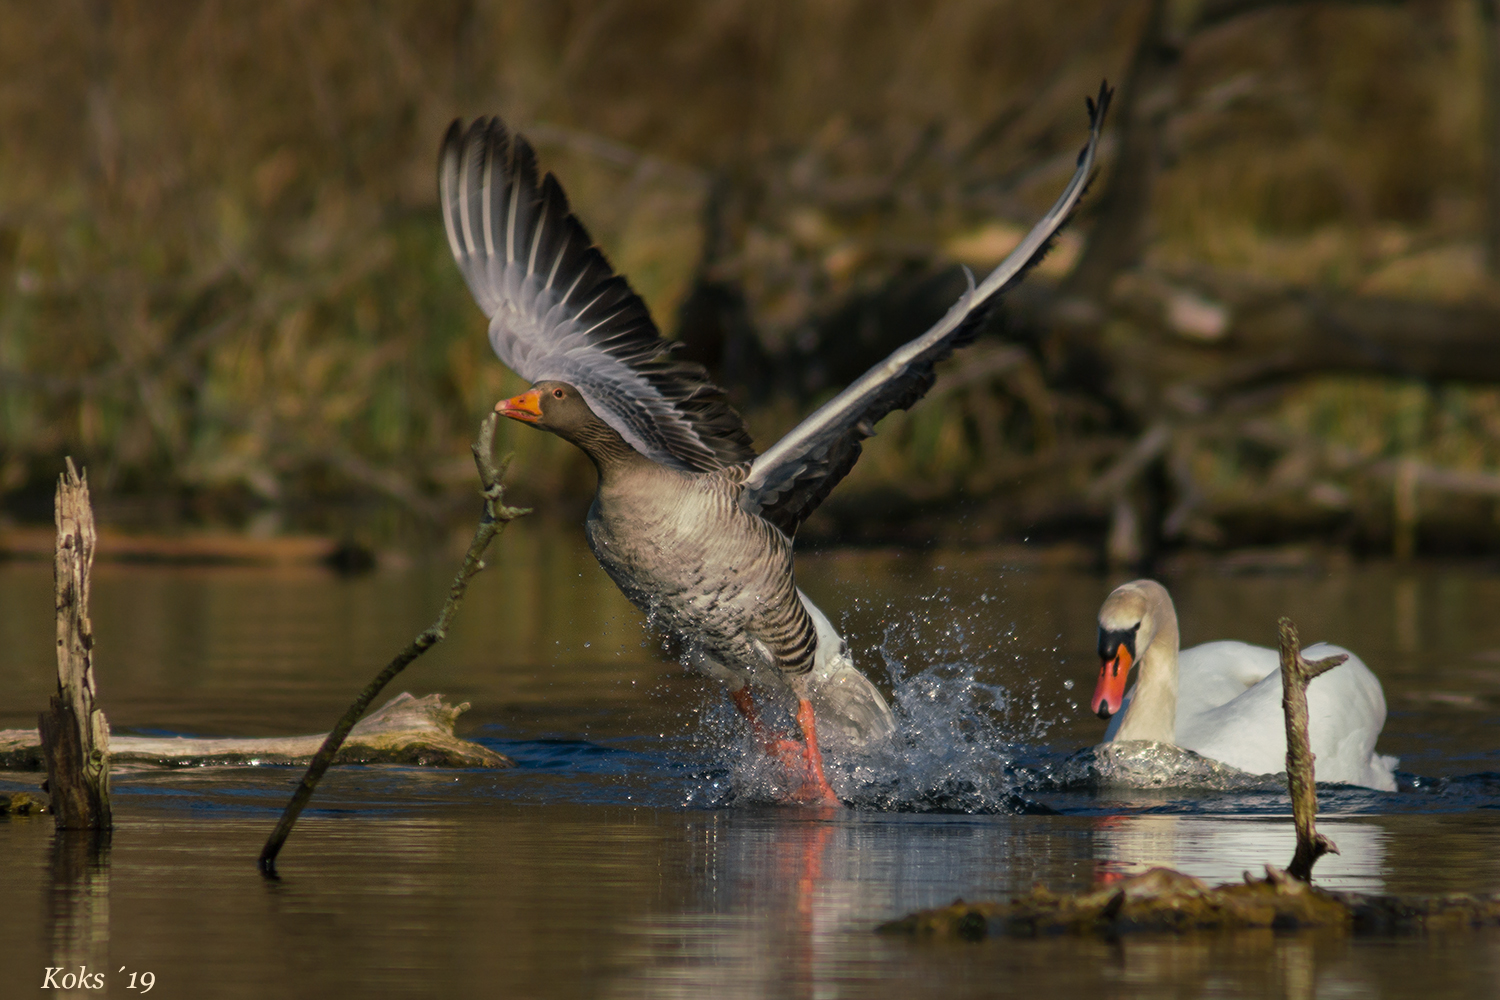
(1296, 674)
(75, 734)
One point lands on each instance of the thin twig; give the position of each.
(494, 519)
(1296, 674)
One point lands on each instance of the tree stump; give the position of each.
(75, 734)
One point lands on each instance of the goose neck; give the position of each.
(613, 458)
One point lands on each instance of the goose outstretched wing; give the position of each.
(558, 311)
(787, 482)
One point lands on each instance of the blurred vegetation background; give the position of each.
(225, 288)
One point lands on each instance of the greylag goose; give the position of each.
(693, 526)
(1223, 699)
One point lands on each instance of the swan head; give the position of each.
(1127, 624)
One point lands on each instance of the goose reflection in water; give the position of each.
(786, 887)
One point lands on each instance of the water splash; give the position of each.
(960, 730)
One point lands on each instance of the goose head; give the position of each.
(560, 408)
(552, 406)
(1128, 622)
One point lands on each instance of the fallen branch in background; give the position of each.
(493, 521)
(206, 549)
(405, 730)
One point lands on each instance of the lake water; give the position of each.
(629, 855)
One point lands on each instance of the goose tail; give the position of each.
(848, 707)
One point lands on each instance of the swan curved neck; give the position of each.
(1152, 714)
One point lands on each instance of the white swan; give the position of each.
(1223, 699)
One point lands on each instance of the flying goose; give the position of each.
(693, 526)
(1223, 699)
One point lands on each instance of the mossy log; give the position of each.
(1163, 900)
(22, 804)
(406, 730)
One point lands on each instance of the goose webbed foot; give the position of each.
(815, 788)
(802, 758)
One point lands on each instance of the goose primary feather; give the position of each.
(692, 525)
(1223, 699)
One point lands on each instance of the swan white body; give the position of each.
(1223, 699)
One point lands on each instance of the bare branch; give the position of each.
(1296, 673)
(493, 521)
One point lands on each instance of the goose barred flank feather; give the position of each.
(682, 549)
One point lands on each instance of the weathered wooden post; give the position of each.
(1296, 674)
(75, 735)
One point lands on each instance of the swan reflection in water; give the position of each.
(1222, 849)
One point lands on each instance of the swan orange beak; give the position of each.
(527, 407)
(1110, 692)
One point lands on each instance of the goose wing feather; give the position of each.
(558, 311)
(787, 482)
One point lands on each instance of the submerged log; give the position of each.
(21, 804)
(406, 730)
(1165, 900)
(73, 732)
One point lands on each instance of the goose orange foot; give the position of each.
(815, 788)
(802, 758)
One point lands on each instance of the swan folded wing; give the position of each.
(558, 311)
(787, 482)
(1248, 733)
(1346, 712)
(1216, 673)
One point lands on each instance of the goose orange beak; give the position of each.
(527, 407)
(1110, 692)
